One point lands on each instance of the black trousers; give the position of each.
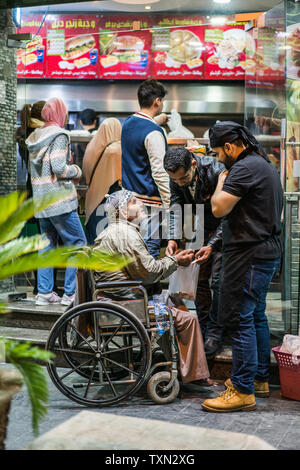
(207, 297)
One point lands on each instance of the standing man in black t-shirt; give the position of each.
(249, 198)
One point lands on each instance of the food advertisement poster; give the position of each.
(270, 57)
(293, 51)
(293, 96)
(178, 48)
(293, 41)
(226, 49)
(31, 62)
(292, 156)
(125, 47)
(250, 69)
(72, 46)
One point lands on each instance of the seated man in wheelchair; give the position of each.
(122, 236)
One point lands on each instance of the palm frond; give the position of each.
(21, 246)
(84, 258)
(22, 355)
(10, 204)
(11, 225)
(4, 308)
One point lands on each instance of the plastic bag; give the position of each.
(183, 282)
(291, 345)
(177, 129)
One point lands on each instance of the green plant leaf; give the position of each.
(9, 204)
(16, 350)
(21, 246)
(62, 257)
(11, 226)
(21, 355)
(4, 308)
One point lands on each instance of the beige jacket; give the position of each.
(107, 141)
(124, 238)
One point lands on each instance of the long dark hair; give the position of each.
(27, 113)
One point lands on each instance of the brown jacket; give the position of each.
(124, 238)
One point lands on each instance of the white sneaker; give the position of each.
(47, 299)
(67, 299)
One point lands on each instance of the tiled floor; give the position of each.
(276, 420)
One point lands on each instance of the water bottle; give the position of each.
(160, 314)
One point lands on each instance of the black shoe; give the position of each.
(212, 347)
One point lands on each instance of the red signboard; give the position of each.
(73, 46)
(31, 61)
(125, 47)
(226, 51)
(178, 48)
(136, 47)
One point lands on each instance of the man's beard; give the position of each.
(228, 161)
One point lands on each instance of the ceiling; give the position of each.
(175, 6)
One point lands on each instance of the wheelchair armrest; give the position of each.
(113, 284)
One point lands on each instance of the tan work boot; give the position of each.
(261, 389)
(230, 400)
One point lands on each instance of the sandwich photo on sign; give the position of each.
(73, 46)
(77, 46)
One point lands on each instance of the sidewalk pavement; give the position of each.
(276, 420)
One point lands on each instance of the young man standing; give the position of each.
(193, 181)
(143, 148)
(88, 120)
(249, 197)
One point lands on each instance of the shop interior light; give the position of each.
(222, 1)
(136, 2)
(17, 17)
(218, 20)
(148, 7)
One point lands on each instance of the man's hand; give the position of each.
(185, 257)
(172, 248)
(161, 119)
(202, 255)
(222, 178)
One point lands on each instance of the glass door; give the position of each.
(272, 113)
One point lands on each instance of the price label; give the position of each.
(56, 42)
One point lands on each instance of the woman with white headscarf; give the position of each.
(102, 171)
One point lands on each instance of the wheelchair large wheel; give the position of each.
(109, 363)
(71, 338)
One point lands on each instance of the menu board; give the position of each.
(72, 46)
(134, 47)
(178, 48)
(31, 61)
(125, 47)
(226, 51)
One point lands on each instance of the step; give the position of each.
(34, 336)
(26, 314)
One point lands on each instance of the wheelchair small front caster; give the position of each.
(156, 388)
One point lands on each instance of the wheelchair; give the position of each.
(106, 350)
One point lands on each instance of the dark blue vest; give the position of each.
(136, 168)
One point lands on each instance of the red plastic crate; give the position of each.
(289, 374)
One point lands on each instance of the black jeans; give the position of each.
(207, 297)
